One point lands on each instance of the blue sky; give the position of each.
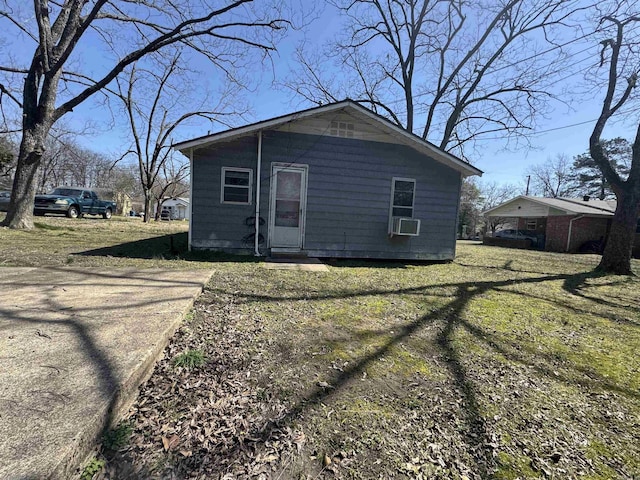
(500, 165)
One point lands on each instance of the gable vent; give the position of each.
(342, 129)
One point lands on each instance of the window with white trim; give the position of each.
(342, 129)
(532, 224)
(403, 193)
(236, 185)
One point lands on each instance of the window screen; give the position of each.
(403, 195)
(236, 185)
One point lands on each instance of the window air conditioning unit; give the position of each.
(405, 226)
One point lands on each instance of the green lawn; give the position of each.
(503, 364)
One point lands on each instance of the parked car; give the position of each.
(74, 203)
(518, 235)
(4, 201)
(165, 215)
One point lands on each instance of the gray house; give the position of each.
(332, 181)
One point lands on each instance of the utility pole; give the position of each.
(528, 181)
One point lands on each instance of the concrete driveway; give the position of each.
(75, 343)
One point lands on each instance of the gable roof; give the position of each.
(185, 201)
(384, 124)
(575, 206)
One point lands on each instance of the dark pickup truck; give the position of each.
(73, 202)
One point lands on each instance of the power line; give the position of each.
(513, 64)
(540, 132)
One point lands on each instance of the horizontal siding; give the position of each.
(348, 197)
(349, 189)
(216, 225)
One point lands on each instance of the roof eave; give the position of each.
(598, 212)
(184, 147)
(466, 169)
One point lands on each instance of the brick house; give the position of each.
(566, 223)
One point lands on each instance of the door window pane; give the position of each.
(287, 213)
(288, 189)
(288, 185)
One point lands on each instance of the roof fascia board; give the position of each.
(445, 157)
(564, 209)
(263, 125)
(442, 156)
(505, 203)
(568, 210)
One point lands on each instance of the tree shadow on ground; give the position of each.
(448, 319)
(168, 247)
(379, 263)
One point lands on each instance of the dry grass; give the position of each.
(503, 364)
(93, 241)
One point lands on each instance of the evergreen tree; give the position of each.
(589, 178)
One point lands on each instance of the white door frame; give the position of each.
(299, 167)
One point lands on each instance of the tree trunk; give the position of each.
(147, 205)
(20, 211)
(616, 258)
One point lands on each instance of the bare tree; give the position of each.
(446, 70)
(553, 178)
(493, 194)
(155, 105)
(621, 80)
(55, 84)
(173, 182)
(470, 208)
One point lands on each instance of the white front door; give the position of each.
(288, 204)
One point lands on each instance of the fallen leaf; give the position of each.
(171, 442)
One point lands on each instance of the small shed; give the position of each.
(179, 208)
(332, 181)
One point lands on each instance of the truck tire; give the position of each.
(73, 212)
(107, 214)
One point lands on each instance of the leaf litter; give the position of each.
(290, 390)
(211, 421)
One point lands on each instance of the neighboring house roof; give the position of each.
(184, 201)
(354, 108)
(569, 206)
